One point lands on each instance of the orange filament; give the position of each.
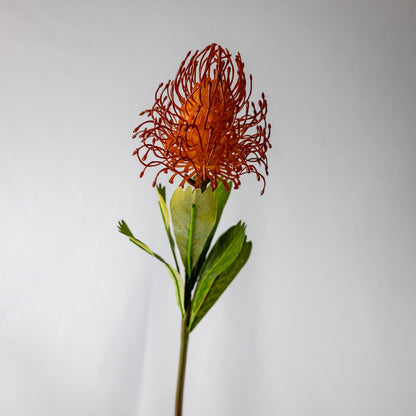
(200, 126)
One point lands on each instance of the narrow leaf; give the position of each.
(222, 197)
(220, 284)
(161, 193)
(177, 279)
(222, 256)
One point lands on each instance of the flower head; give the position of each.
(202, 125)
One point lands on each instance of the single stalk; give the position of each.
(182, 362)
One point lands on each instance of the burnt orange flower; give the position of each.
(202, 125)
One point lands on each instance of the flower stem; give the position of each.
(182, 363)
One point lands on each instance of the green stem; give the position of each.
(182, 362)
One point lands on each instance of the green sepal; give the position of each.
(220, 284)
(161, 193)
(220, 258)
(193, 217)
(177, 279)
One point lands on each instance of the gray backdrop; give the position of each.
(322, 319)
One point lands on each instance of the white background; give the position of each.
(321, 321)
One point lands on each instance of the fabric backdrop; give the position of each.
(321, 321)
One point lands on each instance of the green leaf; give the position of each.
(192, 211)
(220, 284)
(223, 254)
(161, 193)
(177, 279)
(222, 196)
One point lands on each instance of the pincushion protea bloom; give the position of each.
(202, 125)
